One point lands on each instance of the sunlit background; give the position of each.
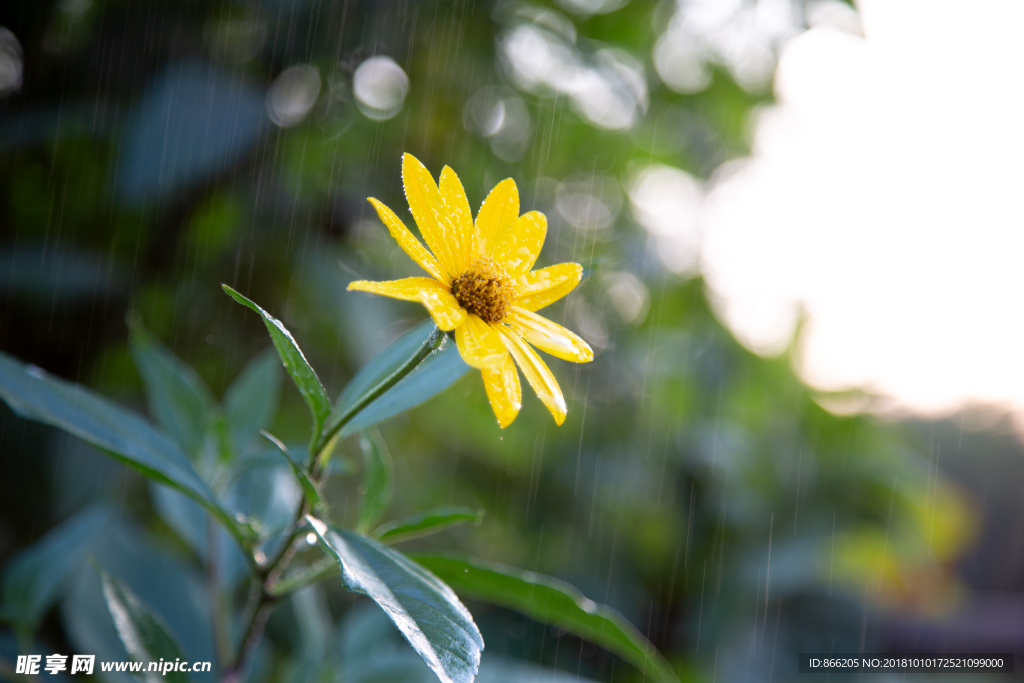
(800, 225)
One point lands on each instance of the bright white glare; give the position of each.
(834, 13)
(380, 86)
(740, 35)
(681, 63)
(10, 63)
(608, 88)
(293, 94)
(883, 200)
(667, 202)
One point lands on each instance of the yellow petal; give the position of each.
(431, 214)
(497, 217)
(459, 214)
(547, 285)
(408, 242)
(537, 374)
(518, 250)
(438, 299)
(479, 343)
(550, 337)
(503, 391)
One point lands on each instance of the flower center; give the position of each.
(485, 290)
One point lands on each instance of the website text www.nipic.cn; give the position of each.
(85, 664)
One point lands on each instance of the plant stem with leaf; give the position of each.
(266, 589)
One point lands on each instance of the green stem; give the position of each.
(252, 625)
(425, 349)
(266, 579)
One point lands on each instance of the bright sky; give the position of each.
(885, 198)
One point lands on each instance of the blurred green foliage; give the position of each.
(696, 487)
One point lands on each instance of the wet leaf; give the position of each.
(551, 601)
(35, 395)
(426, 523)
(143, 633)
(425, 610)
(294, 362)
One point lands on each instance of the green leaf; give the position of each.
(191, 523)
(426, 523)
(309, 487)
(434, 374)
(178, 398)
(551, 601)
(143, 633)
(37, 576)
(251, 400)
(378, 478)
(299, 578)
(294, 362)
(34, 395)
(425, 610)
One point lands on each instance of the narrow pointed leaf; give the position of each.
(145, 636)
(294, 362)
(178, 398)
(35, 395)
(437, 372)
(550, 601)
(378, 478)
(426, 523)
(309, 487)
(37, 576)
(314, 573)
(251, 400)
(426, 611)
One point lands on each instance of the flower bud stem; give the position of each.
(266, 588)
(426, 348)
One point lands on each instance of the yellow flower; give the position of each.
(482, 285)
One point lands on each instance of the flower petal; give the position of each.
(431, 214)
(443, 307)
(497, 217)
(518, 250)
(537, 374)
(503, 391)
(460, 215)
(408, 242)
(479, 343)
(550, 337)
(547, 285)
